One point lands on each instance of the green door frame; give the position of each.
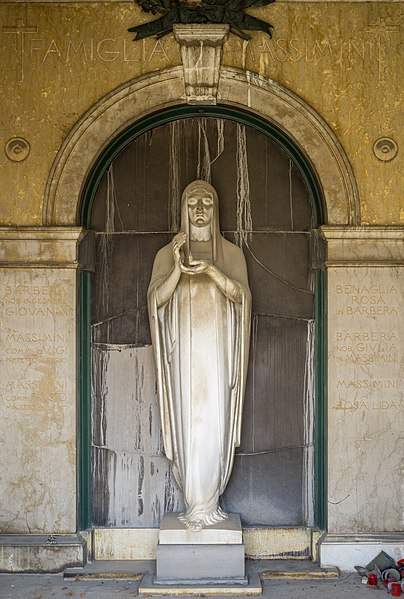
(84, 374)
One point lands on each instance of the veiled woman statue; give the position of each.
(199, 310)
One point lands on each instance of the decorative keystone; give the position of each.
(201, 52)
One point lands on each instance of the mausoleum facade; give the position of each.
(301, 135)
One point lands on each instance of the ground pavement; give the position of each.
(275, 582)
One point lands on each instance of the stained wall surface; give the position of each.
(343, 59)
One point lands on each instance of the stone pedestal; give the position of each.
(206, 562)
(195, 564)
(213, 555)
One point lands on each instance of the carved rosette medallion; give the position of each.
(17, 149)
(201, 53)
(385, 149)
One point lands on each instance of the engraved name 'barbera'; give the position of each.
(35, 300)
(366, 342)
(34, 294)
(367, 346)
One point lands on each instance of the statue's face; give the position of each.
(200, 208)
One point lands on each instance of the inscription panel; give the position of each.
(365, 337)
(31, 43)
(37, 399)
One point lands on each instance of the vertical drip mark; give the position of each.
(244, 53)
(140, 481)
(220, 139)
(198, 166)
(204, 162)
(112, 201)
(111, 458)
(309, 408)
(174, 178)
(244, 219)
(100, 362)
(254, 351)
(107, 244)
(147, 143)
(138, 300)
(291, 195)
(104, 360)
(266, 181)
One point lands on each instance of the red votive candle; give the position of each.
(372, 580)
(396, 589)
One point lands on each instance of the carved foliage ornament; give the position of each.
(228, 12)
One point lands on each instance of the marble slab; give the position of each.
(365, 399)
(38, 437)
(173, 532)
(41, 553)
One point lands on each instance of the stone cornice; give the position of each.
(364, 246)
(38, 247)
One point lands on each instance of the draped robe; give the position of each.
(201, 339)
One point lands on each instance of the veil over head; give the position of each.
(192, 187)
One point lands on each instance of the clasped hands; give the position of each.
(195, 267)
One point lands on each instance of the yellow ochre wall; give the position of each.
(345, 59)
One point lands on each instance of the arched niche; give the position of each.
(240, 89)
(285, 216)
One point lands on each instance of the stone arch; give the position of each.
(248, 91)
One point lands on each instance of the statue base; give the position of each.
(148, 587)
(174, 532)
(211, 556)
(210, 564)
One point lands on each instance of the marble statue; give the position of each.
(199, 310)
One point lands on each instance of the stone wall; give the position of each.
(57, 60)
